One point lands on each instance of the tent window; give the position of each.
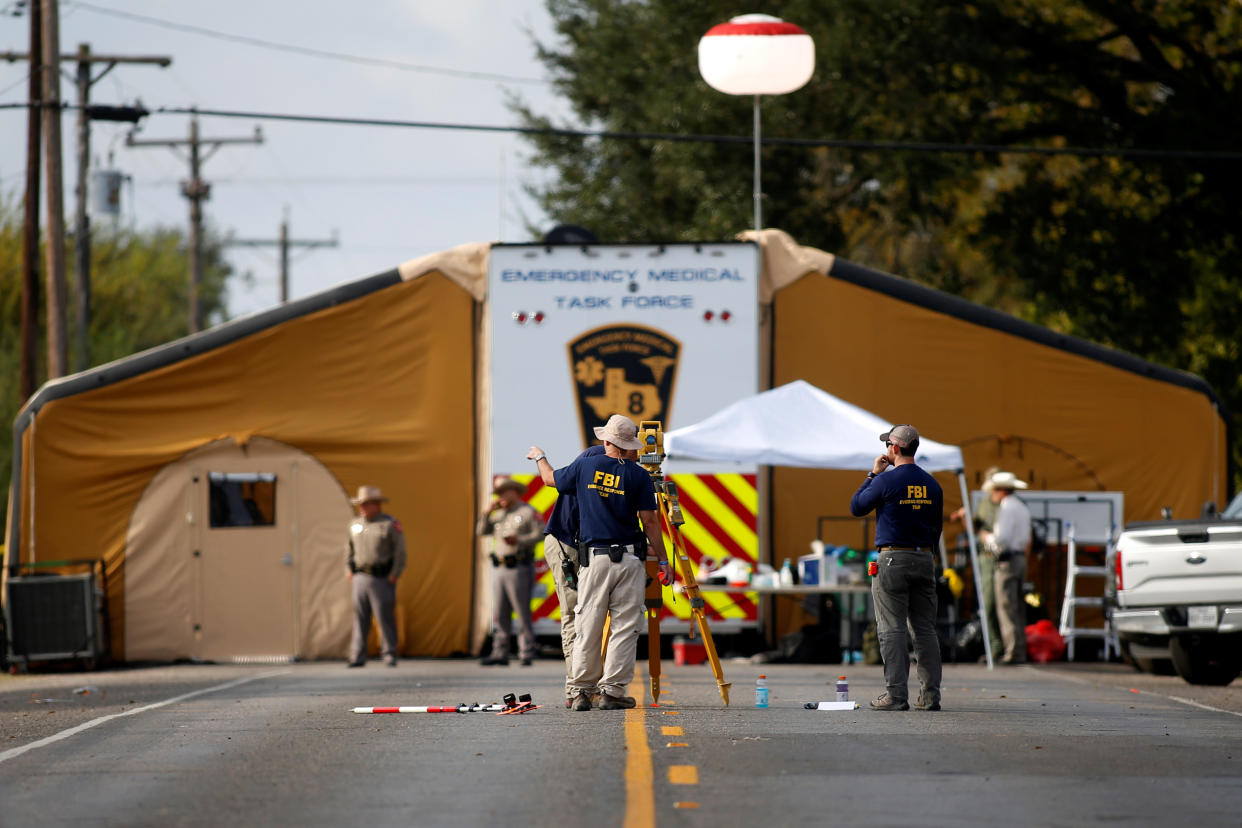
(242, 500)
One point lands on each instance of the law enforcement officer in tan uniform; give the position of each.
(515, 528)
(375, 559)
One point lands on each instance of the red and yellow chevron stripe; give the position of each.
(721, 516)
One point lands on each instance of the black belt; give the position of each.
(1007, 554)
(615, 551)
(905, 549)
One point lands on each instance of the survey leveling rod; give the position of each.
(512, 704)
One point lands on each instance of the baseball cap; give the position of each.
(902, 435)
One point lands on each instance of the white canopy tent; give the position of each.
(800, 425)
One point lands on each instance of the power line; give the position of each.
(309, 52)
(694, 138)
(829, 143)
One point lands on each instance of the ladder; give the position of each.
(1069, 629)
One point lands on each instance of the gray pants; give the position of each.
(511, 590)
(373, 595)
(904, 592)
(1010, 610)
(554, 552)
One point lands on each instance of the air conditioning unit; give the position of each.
(54, 617)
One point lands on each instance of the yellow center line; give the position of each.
(672, 730)
(639, 773)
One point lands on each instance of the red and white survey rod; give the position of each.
(460, 708)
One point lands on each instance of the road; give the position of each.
(1065, 744)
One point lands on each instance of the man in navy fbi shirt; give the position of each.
(613, 495)
(909, 507)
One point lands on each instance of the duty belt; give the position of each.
(616, 551)
(905, 549)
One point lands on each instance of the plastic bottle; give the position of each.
(787, 578)
(761, 691)
(843, 689)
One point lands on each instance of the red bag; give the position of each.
(1044, 643)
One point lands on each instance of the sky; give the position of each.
(385, 194)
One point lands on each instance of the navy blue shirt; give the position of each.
(563, 522)
(611, 492)
(908, 504)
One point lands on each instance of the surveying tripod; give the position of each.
(650, 456)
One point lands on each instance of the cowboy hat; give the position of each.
(502, 483)
(1006, 480)
(367, 493)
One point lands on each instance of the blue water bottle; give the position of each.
(761, 691)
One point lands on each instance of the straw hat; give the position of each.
(366, 493)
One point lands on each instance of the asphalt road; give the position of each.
(1046, 745)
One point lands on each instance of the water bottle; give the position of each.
(787, 578)
(761, 691)
(843, 689)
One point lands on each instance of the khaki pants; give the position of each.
(608, 589)
(554, 552)
(1010, 610)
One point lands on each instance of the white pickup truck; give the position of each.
(1177, 596)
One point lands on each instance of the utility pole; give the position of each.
(284, 243)
(86, 114)
(57, 344)
(30, 227)
(81, 224)
(197, 191)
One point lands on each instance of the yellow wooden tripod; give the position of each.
(650, 457)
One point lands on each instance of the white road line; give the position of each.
(65, 734)
(1193, 703)
(1178, 699)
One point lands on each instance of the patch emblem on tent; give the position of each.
(622, 369)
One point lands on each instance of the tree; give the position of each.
(1135, 252)
(140, 292)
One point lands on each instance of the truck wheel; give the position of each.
(1206, 659)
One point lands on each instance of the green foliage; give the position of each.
(1142, 254)
(140, 289)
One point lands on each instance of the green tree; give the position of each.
(140, 293)
(1138, 253)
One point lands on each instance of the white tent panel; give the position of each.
(797, 424)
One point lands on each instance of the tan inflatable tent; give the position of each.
(380, 382)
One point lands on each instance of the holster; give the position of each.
(584, 554)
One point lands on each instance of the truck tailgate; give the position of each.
(1199, 564)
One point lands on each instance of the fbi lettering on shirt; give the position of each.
(606, 484)
(916, 497)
